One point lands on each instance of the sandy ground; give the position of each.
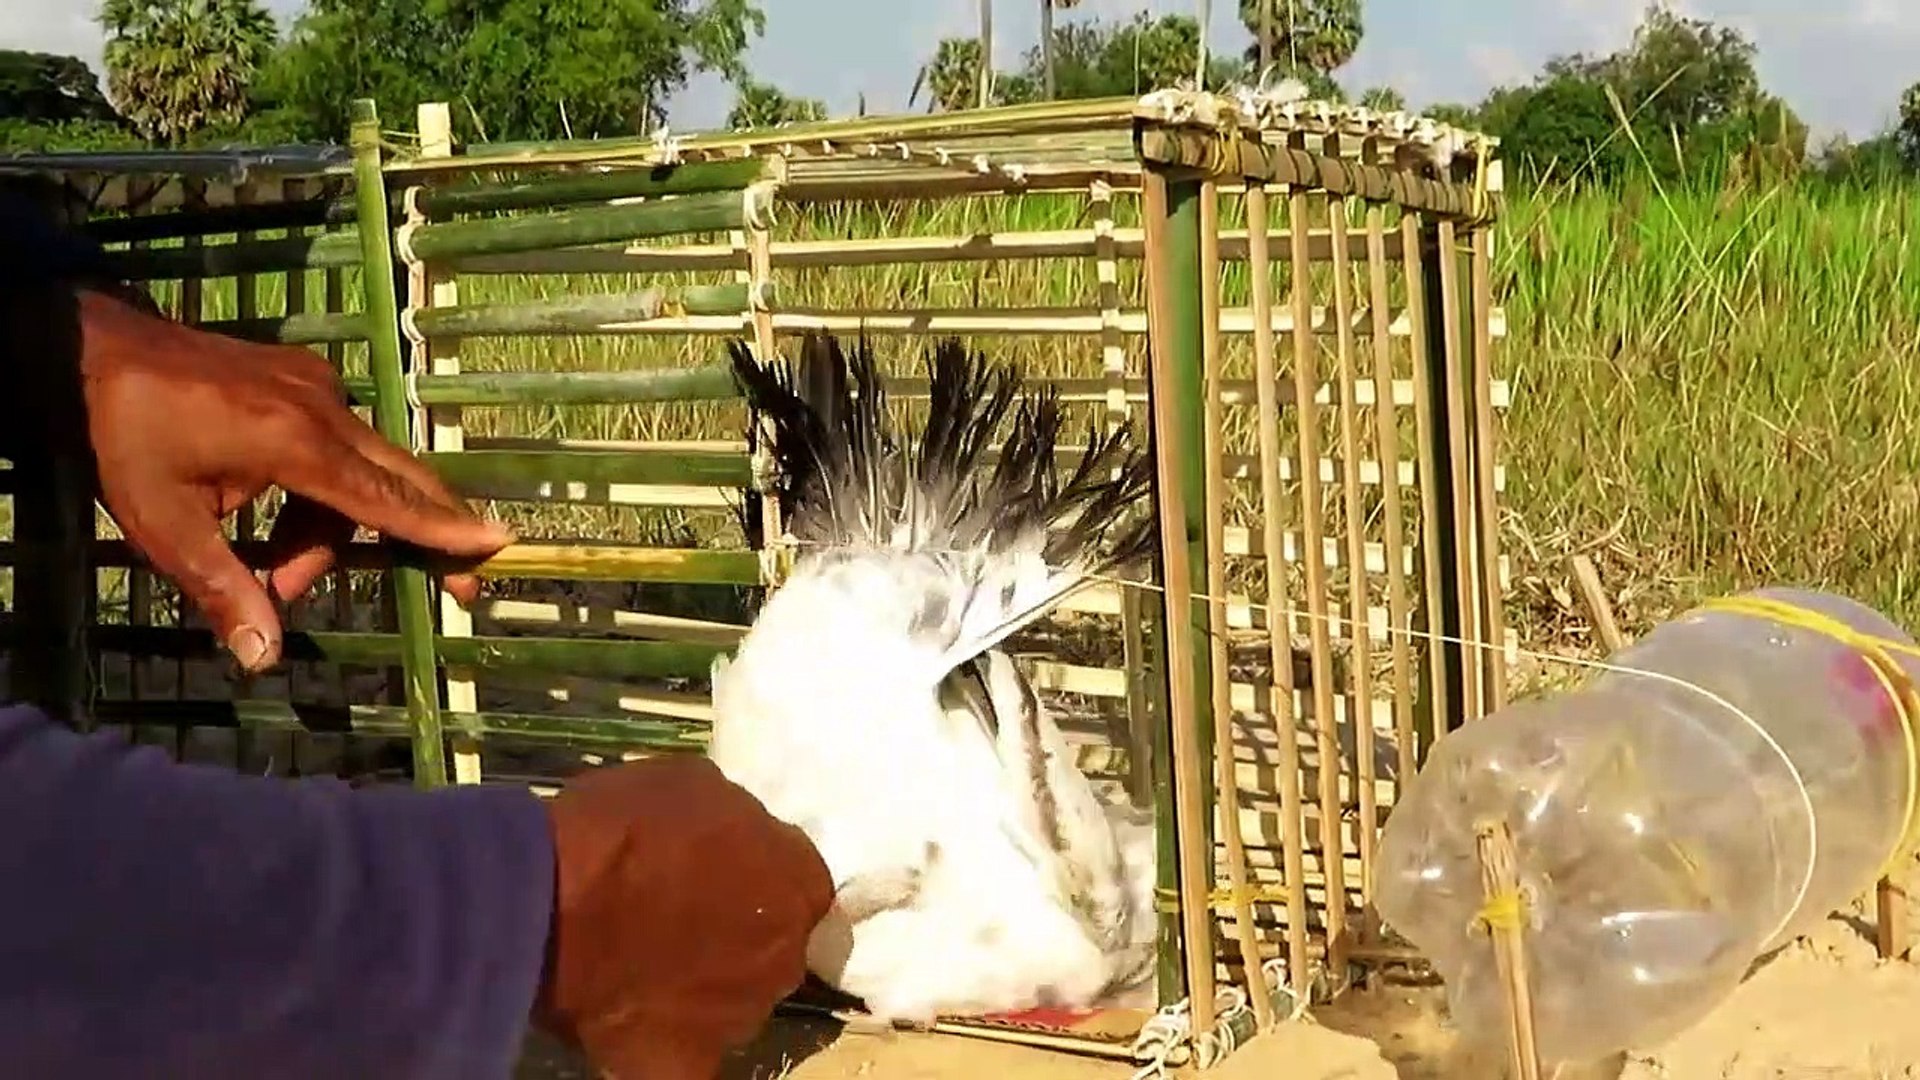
(1825, 1008)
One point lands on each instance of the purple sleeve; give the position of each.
(160, 920)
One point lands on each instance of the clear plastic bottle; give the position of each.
(1666, 838)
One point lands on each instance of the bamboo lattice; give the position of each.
(543, 322)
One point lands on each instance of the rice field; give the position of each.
(1711, 389)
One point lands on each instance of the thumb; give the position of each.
(186, 546)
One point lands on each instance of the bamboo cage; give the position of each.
(544, 323)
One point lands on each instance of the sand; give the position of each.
(1824, 1008)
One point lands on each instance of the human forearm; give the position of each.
(166, 920)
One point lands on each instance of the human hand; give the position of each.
(187, 426)
(681, 917)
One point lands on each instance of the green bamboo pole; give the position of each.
(566, 562)
(1186, 342)
(474, 469)
(412, 593)
(378, 721)
(710, 383)
(1170, 213)
(691, 178)
(304, 328)
(584, 657)
(216, 220)
(562, 315)
(714, 212)
(1219, 155)
(1028, 119)
(321, 251)
(589, 313)
(473, 197)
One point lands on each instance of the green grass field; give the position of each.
(1711, 390)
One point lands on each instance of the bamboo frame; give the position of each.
(1306, 416)
(1171, 212)
(435, 288)
(1291, 868)
(411, 591)
(1280, 615)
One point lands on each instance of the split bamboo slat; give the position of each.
(1299, 309)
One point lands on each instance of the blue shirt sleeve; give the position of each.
(162, 920)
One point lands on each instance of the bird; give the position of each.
(870, 702)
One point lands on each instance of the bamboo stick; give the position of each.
(337, 250)
(1359, 639)
(1174, 370)
(410, 587)
(590, 312)
(1386, 438)
(388, 722)
(291, 213)
(468, 197)
(1292, 164)
(585, 658)
(641, 624)
(333, 298)
(565, 561)
(938, 322)
(54, 586)
(1112, 391)
(712, 382)
(1494, 849)
(292, 192)
(1280, 615)
(1213, 439)
(478, 468)
(553, 191)
(714, 212)
(434, 288)
(1026, 119)
(140, 594)
(1437, 623)
(1320, 648)
(296, 328)
(1121, 244)
(1586, 581)
(1460, 461)
(245, 526)
(754, 255)
(1486, 452)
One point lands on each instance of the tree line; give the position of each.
(1681, 99)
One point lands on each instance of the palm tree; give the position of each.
(1319, 35)
(986, 53)
(950, 80)
(1048, 61)
(175, 67)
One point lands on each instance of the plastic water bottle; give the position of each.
(1672, 823)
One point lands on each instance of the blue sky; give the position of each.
(1841, 63)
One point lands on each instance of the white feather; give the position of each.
(976, 869)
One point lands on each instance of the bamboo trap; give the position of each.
(1322, 391)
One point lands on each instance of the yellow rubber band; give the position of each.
(1503, 911)
(1878, 652)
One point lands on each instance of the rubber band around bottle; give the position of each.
(1877, 653)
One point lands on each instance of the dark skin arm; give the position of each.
(187, 426)
(681, 908)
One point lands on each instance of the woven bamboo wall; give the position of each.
(1374, 489)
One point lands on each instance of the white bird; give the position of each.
(976, 870)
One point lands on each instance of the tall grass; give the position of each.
(1714, 391)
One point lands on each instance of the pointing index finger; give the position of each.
(342, 477)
